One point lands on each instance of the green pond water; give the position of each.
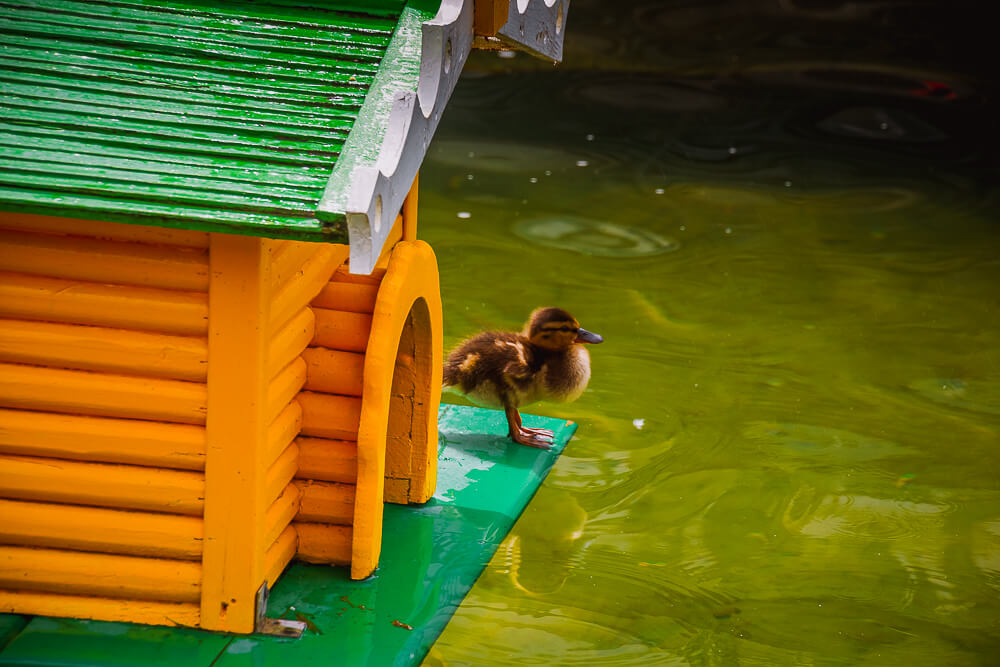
(785, 225)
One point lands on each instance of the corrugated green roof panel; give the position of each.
(222, 115)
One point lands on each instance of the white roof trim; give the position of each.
(377, 193)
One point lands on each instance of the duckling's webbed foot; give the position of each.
(532, 437)
(524, 437)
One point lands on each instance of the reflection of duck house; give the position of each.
(220, 339)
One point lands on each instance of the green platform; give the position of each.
(431, 556)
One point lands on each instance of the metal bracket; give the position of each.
(275, 627)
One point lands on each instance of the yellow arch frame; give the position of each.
(409, 296)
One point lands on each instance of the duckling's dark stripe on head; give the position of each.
(562, 328)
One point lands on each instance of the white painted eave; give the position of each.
(375, 195)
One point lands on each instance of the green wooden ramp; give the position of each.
(431, 556)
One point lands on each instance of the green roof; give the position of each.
(220, 116)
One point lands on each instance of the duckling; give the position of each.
(501, 369)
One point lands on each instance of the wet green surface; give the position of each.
(789, 450)
(431, 555)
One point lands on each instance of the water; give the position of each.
(783, 218)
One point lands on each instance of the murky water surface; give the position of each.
(783, 219)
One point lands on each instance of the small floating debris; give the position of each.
(639, 423)
(400, 624)
(500, 157)
(582, 163)
(464, 215)
(881, 123)
(904, 479)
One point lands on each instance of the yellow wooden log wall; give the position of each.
(104, 349)
(103, 398)
(324, 543)
(113, 417)
(56, 299)
(154, 534)
(102, 575)
(100, 608)
(102, 485)
(209, 406)
(112, 231)
(103, 440)
(103, 261)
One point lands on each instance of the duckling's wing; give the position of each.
(517, 371)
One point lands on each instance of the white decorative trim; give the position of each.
(376, 193)
(536, 26)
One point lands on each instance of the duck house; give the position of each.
(220, 338)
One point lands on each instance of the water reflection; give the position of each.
(813, 362)
(593, 237)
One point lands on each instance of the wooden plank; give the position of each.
(96, 260)
(236, 431)
(280, 473)
(329, 416)
(112, 231)
(102, 609)
(325, 502)
(283, 430)
(328, 460)
(295, 294)
(102, 440)
(290, 341)
(103, 349)
(334, 371)
(323, 543)
(340, 330)
(123, 306)
(100, 484)
(490, 16)
(350, 297)
(344, 275)
(280, 513)
(283, 388)
(288, 259)
(102, 575)
(101, 394)
(394, 236)
(148, 534)
(279, 555)
(409, 212)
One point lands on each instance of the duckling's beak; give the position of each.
(584, 336)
